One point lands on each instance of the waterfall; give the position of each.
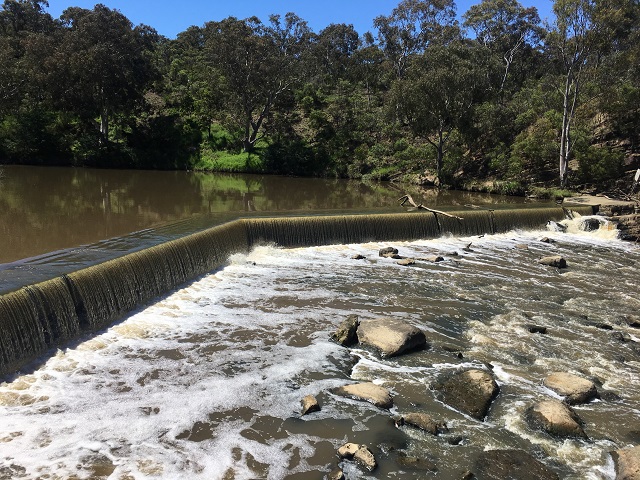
(39, 317)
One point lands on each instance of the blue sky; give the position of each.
(172, 17)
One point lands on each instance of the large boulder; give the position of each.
(368, 392)
(556, 418)
(627, 463)
(390, 337)
(575, 389)
(346, 334)
(502, 464)
(470, 391)
(387, 252)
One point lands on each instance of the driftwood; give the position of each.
(407, 198)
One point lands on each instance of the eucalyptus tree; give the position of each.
(258, 64)
(437, 94)
(103, 64)
(572, 43)
(506, 28)
(413, 26)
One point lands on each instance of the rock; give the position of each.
(536, 329)
(556, 227)
(432, 258)
(547, 240)
(336, 474)
(360, 453)
(424, 422)
(621, 337)
(391, 337)
(522, 246)
(589, 224)
(346, 334)
(555, 418)
(386, 251)
(503, 464)
(416, 463)
(575, 389)
(309, 404)
(406, 262)
(603, 326)
(358, 257)
(368, 392)
(471, 392)
(627, 463)
(554, 261)
(632, 321)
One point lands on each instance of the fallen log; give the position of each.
(407, 198)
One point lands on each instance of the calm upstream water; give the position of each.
(206, 383)
(56, 220)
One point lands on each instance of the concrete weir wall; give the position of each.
(40, 317)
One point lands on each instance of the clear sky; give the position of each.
(170, 17)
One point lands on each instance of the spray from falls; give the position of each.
(40, 317)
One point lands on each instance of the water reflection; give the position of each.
(48, 209)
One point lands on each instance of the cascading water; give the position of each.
(206, 383)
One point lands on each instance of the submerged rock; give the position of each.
(336, 474)
(368, 392)
(554, 261)
(627, 463)
(406, 262)
(309, 404)
(390, 337)
(360, 453)
(387, 251)
(575, 389)
(433, 258)
(503, 464)
(346, 334)
(358, 257)
(424, 422)
(471, 392)
(555, 418)
(536, 329)
(416, 463)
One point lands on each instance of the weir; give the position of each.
(40, 317)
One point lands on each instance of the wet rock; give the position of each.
(471, 392)
(603, 326)
(416, 463)
(547, 240)
(336, 474)
(589, 224)
(555, 418)
(309, 404)
(454, 439)
(627, 463)
(467, 475)
(554, 261)
(358, 257)
(522, 246)
(632, 321)
(387, 251)
(621, 337)
(424, 422)
(556, 227)
(346, 334)
(503, 464)
(536, 329)
(432, 258)
(368, 392)
(391, 337)
(467, 248)
(360, 453)
(406, 262)
(575, 389)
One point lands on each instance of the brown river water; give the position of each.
(206, 382)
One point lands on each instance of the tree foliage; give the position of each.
(500, 96)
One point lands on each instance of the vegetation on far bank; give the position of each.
(492, 100)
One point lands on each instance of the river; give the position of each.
(207, 381)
